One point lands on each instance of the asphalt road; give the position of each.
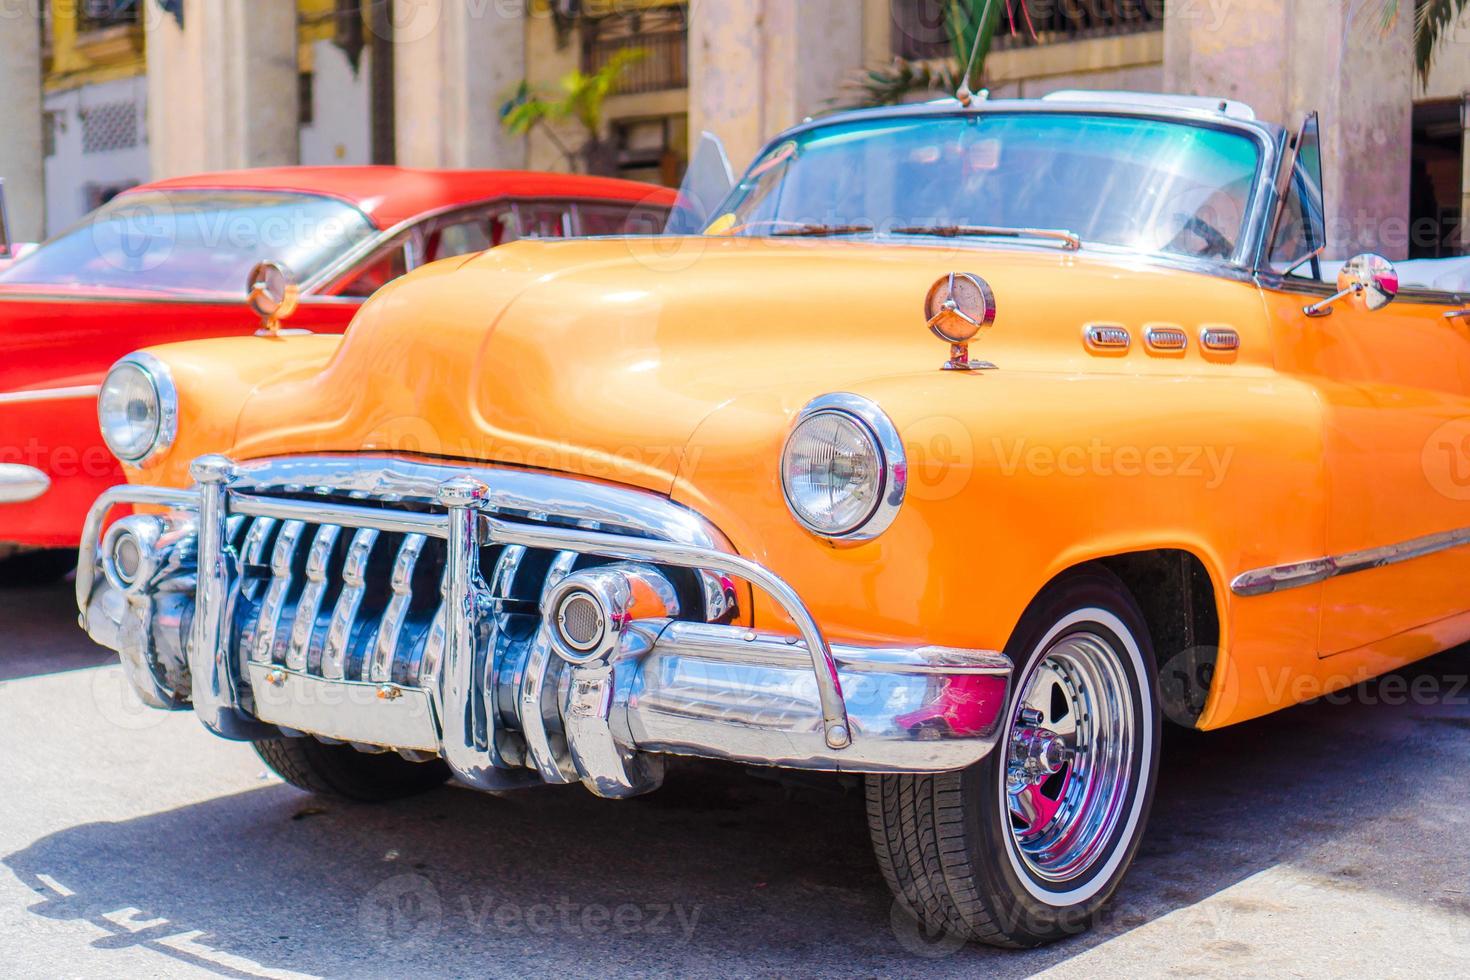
(1329, 840)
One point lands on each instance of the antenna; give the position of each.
(964, 94)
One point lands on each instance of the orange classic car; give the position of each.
(966, 447)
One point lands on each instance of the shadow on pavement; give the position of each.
(721, 867)
(40, 633)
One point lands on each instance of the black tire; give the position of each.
(36, 568)
(946, 843)
(344, 772)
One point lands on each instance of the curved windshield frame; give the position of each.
(191, 242)
(1161, 186)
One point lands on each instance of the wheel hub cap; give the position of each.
(1069, 757)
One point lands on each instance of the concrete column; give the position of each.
(1288, 58)
(758, 66)
(455, 65)
(222, 90)
(22, 159)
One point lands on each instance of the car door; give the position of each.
(1394, 387)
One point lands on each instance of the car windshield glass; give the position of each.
(195, 241)
(1144, 184)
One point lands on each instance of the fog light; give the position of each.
(126, 558)
(130, 552)
(588, 612)
(581, 622)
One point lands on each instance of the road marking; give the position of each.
(128, 919)
(55, 886)
(188, 944)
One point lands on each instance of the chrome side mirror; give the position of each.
(272, 294)
(1370, 279)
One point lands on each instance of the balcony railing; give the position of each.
(99, 15)
(661, 33)
(919, 33)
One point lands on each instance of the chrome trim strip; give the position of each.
(536, 682)
(252, 552)
(354, 583)
(463, 701)
(19, 484)
(513, 492)
(1278, 578)
(380, 669)
(50, 394)
(282, 558)
(310, 606)
(342, 515)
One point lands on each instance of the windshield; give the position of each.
(1142, 184)
(195, 241)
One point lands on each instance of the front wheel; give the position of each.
(1027, 845)
(344, 772)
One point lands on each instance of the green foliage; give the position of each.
(892, 84)
(963, 21)
(1433, 20)
(581, 97)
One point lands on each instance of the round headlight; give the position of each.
(843, 469)
(138, 409)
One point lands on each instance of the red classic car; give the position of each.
(169, 261)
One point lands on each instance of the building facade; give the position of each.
(114, 92)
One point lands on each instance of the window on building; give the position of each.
(1435, 181)
(110, 126)
(662, 33)
(306, 98)
(652, 149)
(919, 31)
(99, 15)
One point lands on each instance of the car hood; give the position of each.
(602, 358)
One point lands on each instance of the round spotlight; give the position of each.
(581, 622)
(130, 552)
(126, 558)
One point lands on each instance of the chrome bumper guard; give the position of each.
(162, 591)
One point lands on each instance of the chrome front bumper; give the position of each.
(198, 619)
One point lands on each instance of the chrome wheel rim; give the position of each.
(1069, 767)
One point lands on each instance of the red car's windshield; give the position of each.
(204, 241)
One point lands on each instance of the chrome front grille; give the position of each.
(367, 605)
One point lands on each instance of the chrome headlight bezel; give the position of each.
(891, 460)
(165, 408)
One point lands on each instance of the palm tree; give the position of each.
(970, 26)
(581, 98)
(1432, 21)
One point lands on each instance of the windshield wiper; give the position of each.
(822, 231)
(1070, 239)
